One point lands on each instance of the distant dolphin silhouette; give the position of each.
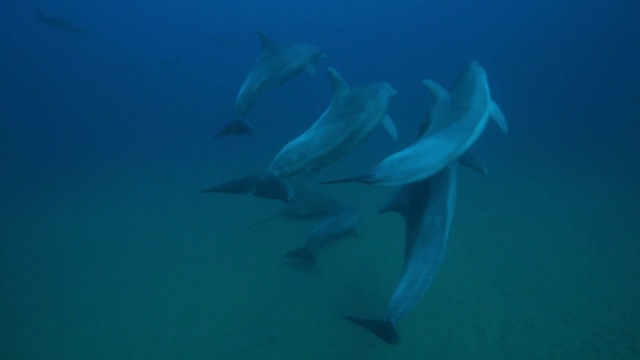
(61, 24)
(333, 226)
(352, 115)
(276, 65)
(459, 117)
(427, 207)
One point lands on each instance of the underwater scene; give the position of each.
(319, 179)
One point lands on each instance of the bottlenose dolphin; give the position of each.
(427, 208)
(352, 115)
(458, 119)
(276, 65)
(61, 24)
(306, 204)
(343, 222)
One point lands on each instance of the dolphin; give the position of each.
(61, 24)
(458, 119)
(276, 65)
(306, 204)
(345, 221)
(352, 115)
(427, 207)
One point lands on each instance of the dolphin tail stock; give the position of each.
(383, 329)
(303, 254)
(365, 179)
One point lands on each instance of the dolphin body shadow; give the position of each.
(427, 208)
(277, 64)
(58, 23)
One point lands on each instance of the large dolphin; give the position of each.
(458, 119)
(352, 115)
(276, 65)
(61, 24)
(427, 208)
(340, 223)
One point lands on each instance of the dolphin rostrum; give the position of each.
(276, 65)
(352, 115)
(427, 208)
(457, 120)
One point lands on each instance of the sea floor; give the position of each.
(542, 263)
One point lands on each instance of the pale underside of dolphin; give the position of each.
(457, 120)
(427, 207)
(351, 117)
(276, 65)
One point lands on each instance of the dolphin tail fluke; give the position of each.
(273, 187)
(383, 329)
(235, 127)
(303, 254)
(365, 179)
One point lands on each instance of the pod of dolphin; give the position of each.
(425, 171)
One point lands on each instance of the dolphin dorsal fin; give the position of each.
(267, 42)
(441, 94)
(338, 84)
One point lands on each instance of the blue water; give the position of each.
(107, 251)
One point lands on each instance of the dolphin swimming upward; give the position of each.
(427, 208)
(458, 118)
(351, 117)
(276, 65)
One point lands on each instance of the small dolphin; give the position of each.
(427, 207)
(458, 119)
(306, 205)
(344, 222)
(240, 186)
(352, 115)
(276, 65)
(61, 24)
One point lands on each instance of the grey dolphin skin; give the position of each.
(61, 24)
(427, 207)
(458, 119)
(343, 222)
(352, 115)
(276, 65)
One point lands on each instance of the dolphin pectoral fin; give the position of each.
(273, 187)
(439, 92)
(383, 329)
(311, 70)
(472, 161)
(390, 126)
(366, 179)
(303, 254)
(497, 115)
